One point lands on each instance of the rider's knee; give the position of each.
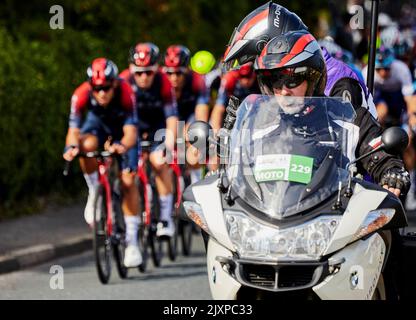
(89, 143)
(158, 163)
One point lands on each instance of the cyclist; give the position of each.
(111, 111)
(293, 65)
(158, 116)
(191, 94)
(239, 83)
(393, 87)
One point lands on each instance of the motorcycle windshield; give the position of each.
(288, 154)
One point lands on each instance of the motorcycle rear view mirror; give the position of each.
(200, 135)
(394, 140)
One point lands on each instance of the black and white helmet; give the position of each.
(259, 27)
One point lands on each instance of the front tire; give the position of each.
(102, 239)
(119, 238)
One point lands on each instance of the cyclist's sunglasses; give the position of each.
(148, 72)
(105, 88)
(246, 76)
(177, 73)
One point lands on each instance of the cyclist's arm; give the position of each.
(217, 116)
(202, 112)
(170, 109)
(78, 105)
(224, 92)
(201, 90)
(129, 139)
(72, 137)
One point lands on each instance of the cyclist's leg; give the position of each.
(131, 207)
(90, 140)
(164, 187)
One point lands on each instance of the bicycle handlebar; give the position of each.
(91, 154)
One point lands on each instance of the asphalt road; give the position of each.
(184, 279)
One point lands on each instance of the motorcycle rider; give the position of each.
(293, 65)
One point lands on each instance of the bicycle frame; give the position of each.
(178, 174)
(144, 180)
(103, 167)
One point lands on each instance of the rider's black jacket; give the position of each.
(369, 129)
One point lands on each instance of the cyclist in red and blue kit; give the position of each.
(157, 111)
(192, 96)
(104, 107)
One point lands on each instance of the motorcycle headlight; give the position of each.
(307, 241)
(375, 220)
(195, 213)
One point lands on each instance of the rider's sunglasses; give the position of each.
(102, 88)
(277, 81)
(148, 73)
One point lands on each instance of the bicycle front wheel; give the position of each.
(119, 236)
(102, 238)
(186, 231)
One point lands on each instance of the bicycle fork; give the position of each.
(107, 189)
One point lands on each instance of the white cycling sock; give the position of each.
(92, 181)
(196, 175)
(166, 204)
(132, 227)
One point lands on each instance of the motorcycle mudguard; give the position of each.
(222, 285)
(358, 276)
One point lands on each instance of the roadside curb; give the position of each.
(31, 256)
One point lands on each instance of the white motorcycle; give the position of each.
(286, 217)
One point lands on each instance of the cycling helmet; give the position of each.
(176, 58)
(258, 27)
(384, 58)
(101, 71)
(246, 70)
(202, 62)
(292, 58)
(144, 57)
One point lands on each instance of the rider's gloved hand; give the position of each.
(396, 180)
(70, 152)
